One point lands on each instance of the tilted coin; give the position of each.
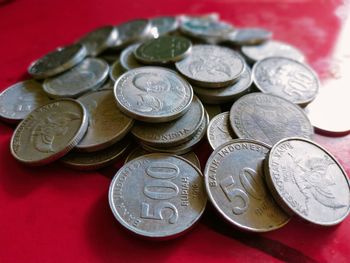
(308, 181)
(268, 118)
(226, 94)
(88, 75)
(127, 58)
(99, 40)
(211, 66)
(219, 130)
(116, 71)
(153, 94)
(95, 160)
(57, 61)
(286, 78)
(132, 31)
(272, 48)
(174, 132)
(157, 195)
(163, 50)
(18, 100)
(212, 110)
(107, 124)
(248, 36)
(234, 179)
(163, 25)
(49, 132)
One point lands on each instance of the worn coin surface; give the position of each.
(99, 40)
(308, 181)
(132, 31)
(49, 132)
(174, 132)
(211, 66)
(153, 94)
(96, 160)
(235, 183)
(226, 94)
(248, 36)
(219, 130)
(272, 48)
(18, 100)
(127, 58)
(286, 78)
(116, 71)
(268, 118)
(88, 75)
(157, 195)
(57, 61)
(163, 25)
(107, 124)
(163, 50)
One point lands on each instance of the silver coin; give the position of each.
(95, 160)
(18, 100)
(171, 133)
(132, 31)
(268, 118)
(127, 58)
(163, 25)
(57, 61)
(234, 179)
(308, 181)
(219, 130)
(153, 94)
(99, 40)
(88, 75)
(212, 110)
(286, 78)
(49, 132)
(211, 66)
(116, 71)
(248, 36)
(157, 196)
(226, 94)
(272, 48)
(107, 124)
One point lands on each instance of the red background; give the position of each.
(54, 214)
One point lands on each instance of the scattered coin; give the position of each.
(248, 36)
(116, 71)
(127, 58)
(219, 130)
(132, 31)
(163, 25)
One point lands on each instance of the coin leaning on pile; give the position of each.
(155, 86)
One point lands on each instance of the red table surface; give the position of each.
(55, 214)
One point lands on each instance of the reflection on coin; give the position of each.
(211, 66)
(116, 71)
(212, 110)
(163, 25)
(226, 94)
(248, 36)
(234, 179)
(49, 132)
(57, 61)
(96, 160)
(272, 48)
(286, 78)
(308, 181)
(268, 118)
(107, 124)
(163, 50)
(132, 31)
(127, 58)
(18, 100)
(99, 40)
(157, 195)
(174, 132)
(88, 75)
(153, 94)
(219, 130)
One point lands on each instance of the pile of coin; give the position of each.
(160, 83)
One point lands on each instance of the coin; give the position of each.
(174, 132)
(88, 75)
(116, 71)
(226, 94)
(219, 130)
(57, 61)
(272, 48)
(308, 181)
(287, 78)
(163, 50)
(212, 110)
(268, 118)
(248, 36)
(157, 196)
(107, 124)
(99, 40)
(95, 160)
(211, 66)
(163, 25)
(127, 58)
(153, 94)
(49, 132)
(234, 180)
(132, 31)
(18, 100)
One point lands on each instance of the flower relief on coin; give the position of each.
(212, 65)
